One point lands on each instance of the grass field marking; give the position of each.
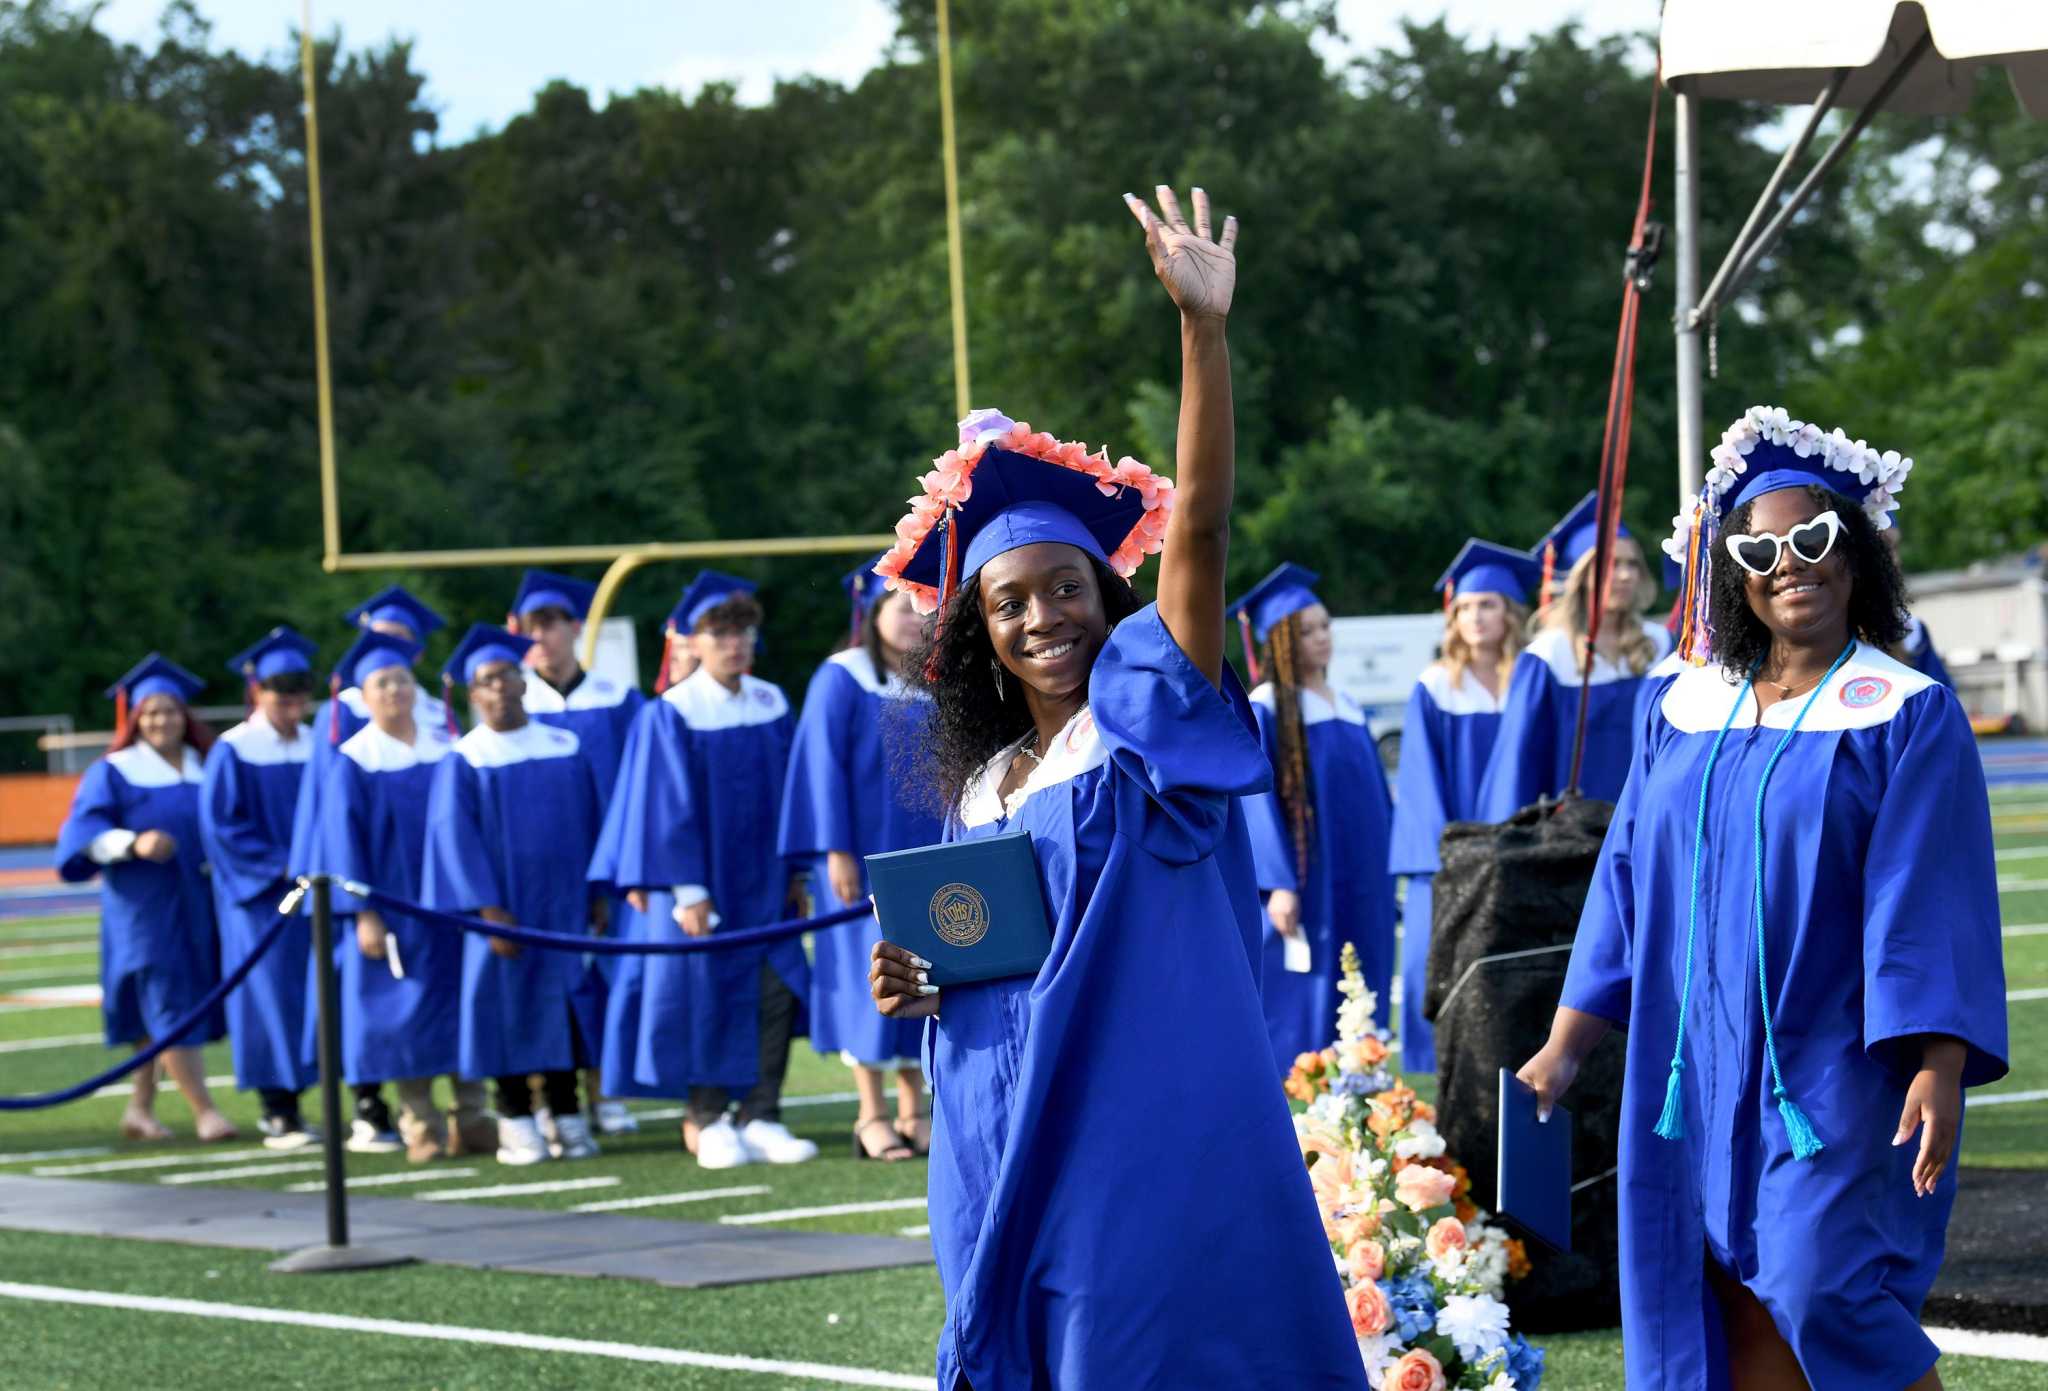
(75, 948)
(31, 1156)
(155, 1161)
(2006, 1098)
(123, 1088)
(793, 1214)
(51, 975)
(453, 1333)
(671, 1113)
(2021, 886)
(702, 1195)
(34, 1045)
(67, 925)
(289, 1166)
(386, 1180)
(2036, 993)
(519, 1190)
(2007, 1347)
(2021, 852)
(2024, 930)
(921, 1229)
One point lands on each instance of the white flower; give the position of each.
(1898, 479)
(1806, 441)
(1775, 424)
(1378, 1353)
(1476, 1323)
(1501, 1382)
(1419, 1141)
(1450, 1267)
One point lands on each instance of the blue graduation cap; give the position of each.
(1287, 590)
(1481, 567)
(864, 589)
(544, 589)
(1020, 501)
(1674, 575)
(1772, 468)
(1575, 535)
(371, 653)
(397, 605)
(483, 643)
(154, 675)
(703, 594)
(278, 652)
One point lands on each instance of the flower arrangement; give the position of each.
(1422, 1268)
(951, 482)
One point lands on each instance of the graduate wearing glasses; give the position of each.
(1447, 737)
(511, 821)
(134, 821)
(245, 820)
(1795, 916)
(1319, 839)
(690, 837)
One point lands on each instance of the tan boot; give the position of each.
(425, 1136)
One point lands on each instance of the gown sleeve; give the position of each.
(95, 809)
(246, 862)
(1933, 960)
(1601, 977)
(1185, 746)
(1523, 765)
(1420, 803)
(460, 875)
(818, 811)
(1265, 818)
(654, 834)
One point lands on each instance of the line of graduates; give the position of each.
(572, 805)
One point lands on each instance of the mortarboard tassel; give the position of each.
(1251, 651)
(334, 708)
(448, 706)
(249, 695)
(949, 579)
(120, 713)
(1549, 573)
(661, 673)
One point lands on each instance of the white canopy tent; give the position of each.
(1861, 55)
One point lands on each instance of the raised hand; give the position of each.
(1200, 274)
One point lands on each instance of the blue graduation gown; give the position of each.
(1881, 922)
(373, 828)
(1921, 656)
(845, 791)
(1348, 895)
(1117, 1199)
(1446, 739)
(334, 723)
(158, 951)
(1532, 756)
(510, 824)
(245, 819)
(600, 713)
(1650, 690)
(698, 798)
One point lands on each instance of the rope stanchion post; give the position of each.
(336, 1253)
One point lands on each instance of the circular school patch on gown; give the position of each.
(1865, 691)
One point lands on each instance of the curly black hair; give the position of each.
(1877, 592)
(970, 722)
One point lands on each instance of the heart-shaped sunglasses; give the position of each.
(1810, 541)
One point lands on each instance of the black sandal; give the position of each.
(919, 1147)
(892, 1154)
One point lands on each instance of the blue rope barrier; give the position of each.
(603, 946)
(185, 1025)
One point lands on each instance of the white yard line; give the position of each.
(77, 948)
(2007, 1347)
(50, 975)
(518, 1190)
(921, 1229)
(702, 1195)
(2035, 993)
(453, 1333)
(386, 1180)
(290, 1166)
(30, 1156)
(755, 1219)
(124, 1088)
(671, 1113)
(34, 1045)
(2022, 886)
(155, 1161)
(2004, 1098)
(2025, 930)
(2022, 852)
(71, 926)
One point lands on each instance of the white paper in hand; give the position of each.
(392, 957)
(1294, 953)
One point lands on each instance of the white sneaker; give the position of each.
(771, 1142)
(614, 1119)
(365, 1138)
(572, 1139)
(545, 1119)
(520, 1142)
(720, 1147)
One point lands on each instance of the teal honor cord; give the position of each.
(1671, 1122)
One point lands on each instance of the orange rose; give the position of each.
(1370, 1315)
(1368, 1261)
(1416, 1371)
(1447, 1236)
(1358, 1226)
(1421, 1188)
(1363, 1055)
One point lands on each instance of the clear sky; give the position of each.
(485, 58)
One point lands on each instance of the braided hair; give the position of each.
(1290, 770)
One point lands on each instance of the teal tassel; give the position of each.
(1671, 1123)
(1798, 1129)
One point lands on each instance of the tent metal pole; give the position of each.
(1686, 235)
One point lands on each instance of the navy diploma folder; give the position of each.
(1535, 1164)
(974, 908)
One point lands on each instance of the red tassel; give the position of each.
(334, 708)
(661, 676)
(249, 697)
(1450, 597)
(448, 705)
(949, 580)
(1549, 573)
(1251, 650)
(120, 714)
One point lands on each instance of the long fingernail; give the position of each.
(920, 963)
(923, 979)
(927, 990)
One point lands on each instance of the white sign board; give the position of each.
(1376, 661)
(618, 656)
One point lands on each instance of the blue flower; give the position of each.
(1525, 1363)
(1413, 1300)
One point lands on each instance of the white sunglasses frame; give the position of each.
(1829, 518)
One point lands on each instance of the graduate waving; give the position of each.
(1117, 1199)
(1795, 916)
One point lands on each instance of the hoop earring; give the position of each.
(997, 667)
